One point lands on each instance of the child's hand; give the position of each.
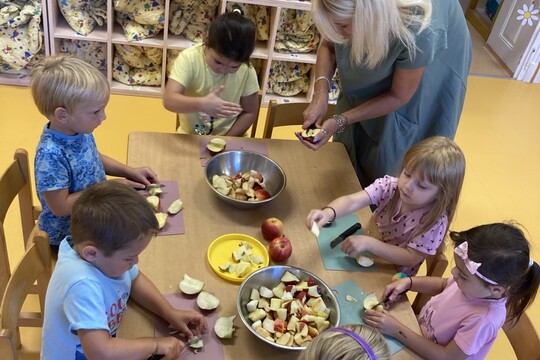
(217, 107)
(182, 319)
(170, 347)
(356, 244)
(143, 176)
(320, 217)
(386, 323)
(394, 290)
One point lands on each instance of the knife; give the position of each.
(345, 235)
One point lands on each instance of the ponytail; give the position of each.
(522, 294)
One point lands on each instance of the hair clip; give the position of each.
(463, 252)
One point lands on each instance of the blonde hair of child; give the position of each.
(65, 81)
(331, 345)
(441, 162)
(375, 25)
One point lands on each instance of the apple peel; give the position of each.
(190, 286)
(224, 327)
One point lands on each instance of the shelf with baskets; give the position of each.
(95, 34)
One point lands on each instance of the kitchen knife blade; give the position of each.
(354, 228)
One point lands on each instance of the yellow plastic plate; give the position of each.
(220, 251)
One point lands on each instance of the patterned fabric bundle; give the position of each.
(137, 65)
(92, 52)
(191, 19)
(84, 16)
(296, 32)
(288, 78)
(259, 14)
(21, 35)
(140, 19)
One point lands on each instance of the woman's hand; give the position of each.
(217, 107)
(328, 129)
(316, 111)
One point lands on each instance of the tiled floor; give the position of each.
(498, 132)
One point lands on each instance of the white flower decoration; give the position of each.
(527, 15)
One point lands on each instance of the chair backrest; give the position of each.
(35, 266)
(524, 339)
(15, 181)
(435, 266)
(253, 127)
(288, 114)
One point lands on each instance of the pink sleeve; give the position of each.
(474, 333)
(381, 189)
(429, 242)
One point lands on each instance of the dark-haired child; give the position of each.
(212, 85)
(493, 282)
(96, 274)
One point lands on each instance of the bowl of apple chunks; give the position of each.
(244, 179)
(286, 307)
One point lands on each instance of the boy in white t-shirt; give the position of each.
(96, 274)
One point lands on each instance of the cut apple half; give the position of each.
(216, 145)
(207, 301)
(190, 286)
(364, 261)
(309, 134)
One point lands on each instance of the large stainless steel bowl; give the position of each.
(270, 277)
(239, 161)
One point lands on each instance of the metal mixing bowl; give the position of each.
(239, 161)
(270, 277)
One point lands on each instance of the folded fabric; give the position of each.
(289, 88)
(297, 32)
(123, 72)
(84, 16)
(191, 19)
(288, 78)
(140, 19)
(21, 34)
(92, 52)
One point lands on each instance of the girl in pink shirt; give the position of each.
(413, 210)
(493, 282)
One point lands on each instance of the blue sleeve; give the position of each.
(85, 307)
(51, 170)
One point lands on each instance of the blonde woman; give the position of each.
(348, 342)
(413, 211)
(403, 68)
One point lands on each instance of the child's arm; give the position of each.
(342, 206)
(97, 344)
(174, 100)
(431, 285)
(61, 201)
(407, 256)
(389, 325)
(135, 177)
(144, 292)
(247, 116)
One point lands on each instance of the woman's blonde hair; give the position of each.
(375, 25)
(333, 345)
(65, 81)
(441, 162)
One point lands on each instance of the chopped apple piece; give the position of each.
(243, 268)
(190, 286)
(224, 266)
(254, 294)
(266, 292)
(252, 305)
(162, 219)
(207, 301)
(258, 314)
(175, 207)
(284, 340)
(289, 278)
(224, 327)
(278, 290)
(153, 200)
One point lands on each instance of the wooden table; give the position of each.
(313, 180)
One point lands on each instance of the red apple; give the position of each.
(271, 228)
(262, 194)
(309, 134)
(280, 249)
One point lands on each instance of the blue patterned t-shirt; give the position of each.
(64, 161)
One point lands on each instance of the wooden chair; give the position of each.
(435, 266)
(524, 339)
(287, 114)
(16, 182)
(35, 266)
(253, 127)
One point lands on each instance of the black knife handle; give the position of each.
(354, 228)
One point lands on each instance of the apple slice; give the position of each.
(153, 200)
(190, 286)
(371, 302)
(364, 261)
(289, 278)
(309, 134)
(224, 327)
(207, 301)
(216, 145)
(175, 207)
(161, 219)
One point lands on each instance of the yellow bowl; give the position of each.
(220, 252)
